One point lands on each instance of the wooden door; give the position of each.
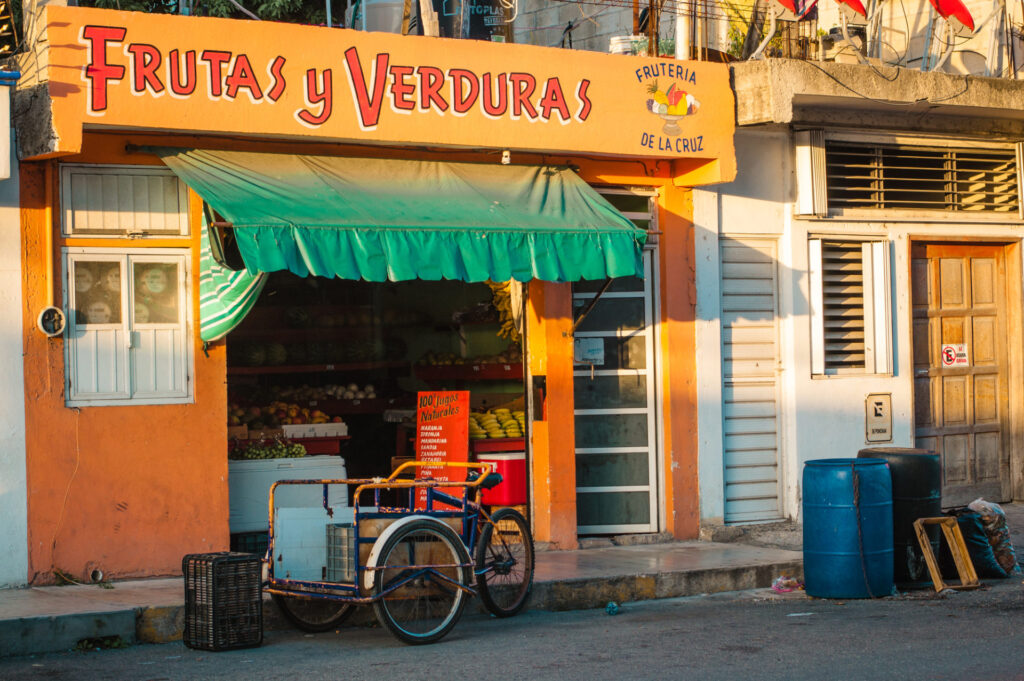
(961, 403)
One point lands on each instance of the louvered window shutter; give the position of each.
(901, 177)
(849, 307)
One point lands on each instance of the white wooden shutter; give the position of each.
(811, 194)
(123, 201)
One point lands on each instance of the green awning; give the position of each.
(387, 219)
(225, 296)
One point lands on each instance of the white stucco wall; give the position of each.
(821, 417)
(13, 529)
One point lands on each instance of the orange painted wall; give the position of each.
(127, 490)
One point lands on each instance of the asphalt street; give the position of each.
(960, 636)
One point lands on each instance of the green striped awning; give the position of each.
(225, 296)
(390, 219)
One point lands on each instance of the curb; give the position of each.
(164, 624)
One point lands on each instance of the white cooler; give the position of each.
(249, 487)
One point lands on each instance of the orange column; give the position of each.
(549, 353)
(679, 369)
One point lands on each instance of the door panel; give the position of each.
(750, 360)
(615, 407)
(962, 411)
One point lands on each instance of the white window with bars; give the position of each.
(850, 312)
(122, 201)
(843, 176)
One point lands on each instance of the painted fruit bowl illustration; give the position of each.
(671, 106)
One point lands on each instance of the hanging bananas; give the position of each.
(502, 301)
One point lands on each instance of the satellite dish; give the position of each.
(851, 9)
(956, 13)
(51, 321)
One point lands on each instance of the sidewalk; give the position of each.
(45, 619)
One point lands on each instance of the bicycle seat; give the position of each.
(490, 481)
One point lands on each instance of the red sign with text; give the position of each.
(442, 436)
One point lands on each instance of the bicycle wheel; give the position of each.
(421, 604)
(504, 563)
(313, 614)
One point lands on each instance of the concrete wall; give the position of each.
(13, 502)
(822, 417)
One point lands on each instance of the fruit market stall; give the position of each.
(329, 366)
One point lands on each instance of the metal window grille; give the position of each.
(842, 268)
(921, 178)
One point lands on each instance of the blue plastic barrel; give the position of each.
(848, 544)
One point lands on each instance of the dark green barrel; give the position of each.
(916, 493)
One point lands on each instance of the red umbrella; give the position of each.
(954, 9)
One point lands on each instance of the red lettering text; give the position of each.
(215, 60)
(431, 82)
(317, 95)
(178, 87)
(367, 107)
(403, 95)
(243, 77)
(463, 96)
(145, 60)
(554, 100)
(585, 105)
(523, 85)
(277, 79)
(491, 107)
(98, 72)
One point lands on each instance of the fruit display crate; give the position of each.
(313, 445)
(223, 601)
(498, 444)
(471, 372)
(376, 405)
(314, 368)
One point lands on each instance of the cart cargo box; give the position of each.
(249, 484)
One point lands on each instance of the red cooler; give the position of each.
(512, 467)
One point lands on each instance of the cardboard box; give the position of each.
(238, 432)
(298, 430)
(330, 430)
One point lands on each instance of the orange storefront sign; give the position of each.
(199, 75)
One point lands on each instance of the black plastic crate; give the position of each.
(250, 542)
(223, 601)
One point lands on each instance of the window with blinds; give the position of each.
(900, 177)
(849, 306)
